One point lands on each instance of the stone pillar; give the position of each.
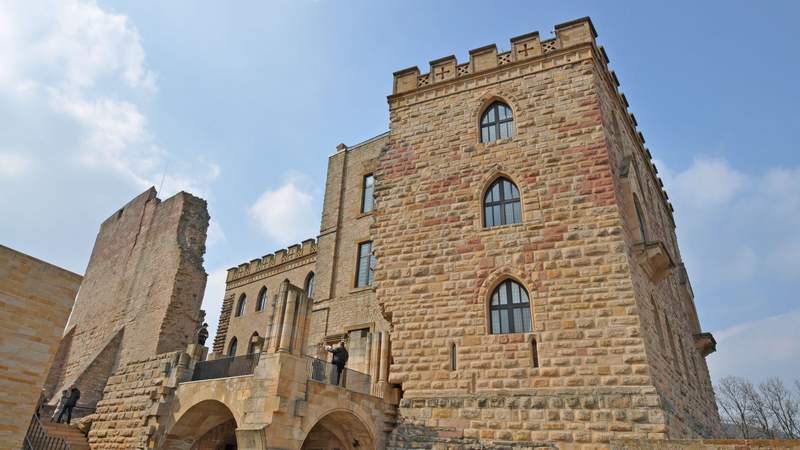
(277, 318)
(375, 356)
(303, 306)
(288, 321)
(384, 370)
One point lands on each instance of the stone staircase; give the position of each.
(70, 434)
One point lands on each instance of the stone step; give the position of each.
(70, 434)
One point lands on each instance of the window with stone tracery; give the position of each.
(261, 301)
(232, 347)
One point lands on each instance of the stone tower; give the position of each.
(614, 348)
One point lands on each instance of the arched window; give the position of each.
(497, 122)
(639, 217)
(262, 299)
(510, 309)
(232, 347)
(310, 285)
(240, 305)
(252, 347)
(501, 204)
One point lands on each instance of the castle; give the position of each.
(502, 266)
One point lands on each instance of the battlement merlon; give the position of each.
(285, 255)
(526, 46)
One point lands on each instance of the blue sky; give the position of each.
(242, 103)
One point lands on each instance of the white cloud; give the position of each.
(212, 300)
(759, 349)
(215, 234)
(708, 182)
(286, 215)
(81, 71)
(13, 164)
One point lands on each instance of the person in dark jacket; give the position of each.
(339, 360)
(72, 400)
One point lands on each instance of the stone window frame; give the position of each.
(364, 193)
(497, 124)
(509, 307)
(241, 305)
(232, 347)
(528, 199)
(502, 203)
(452, 356)
(496, 278)
(356, 272)
(309, 284)
(261, 299)
(483, 104)
(251, 346)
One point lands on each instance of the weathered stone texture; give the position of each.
(35, 301)
(120, 420)
(145, 279)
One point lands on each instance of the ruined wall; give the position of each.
(666, 306)
(145, 279)
(437, 265)
(35, 301)
(132, 394)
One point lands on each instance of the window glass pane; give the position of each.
(515, 293)
(514, 192)
(497, 217)
(509, 214)
(503, 294)
(517, 212)
(526, 319)
(502, 112)
(510, 129)
(489, 197)
(523, 295)
(495, 298)
(496, 192)
(518, 320)
(504, 130)
(491, 115)
(495, 321)
(372, 263)
(487, 214)
(504, 321)
(492, 133)
(485, 118)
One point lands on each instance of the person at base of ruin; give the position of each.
(60, 405)
(339, 360)
(72, 400)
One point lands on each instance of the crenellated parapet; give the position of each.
(526, 47)
(296, 254)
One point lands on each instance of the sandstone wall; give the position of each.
(341, 309)
(120, 421)
(437, 265)
(35, 300)
(666, 306)
(145, 279)
(295, 264)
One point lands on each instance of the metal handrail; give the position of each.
(327, 373)
(232, 366)
(37, 438)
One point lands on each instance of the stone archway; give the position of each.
(340, 430)
(208, 425)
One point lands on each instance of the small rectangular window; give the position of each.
(365, 267)
(368, 188)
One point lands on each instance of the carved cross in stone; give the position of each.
(440, 72)
(524, 50)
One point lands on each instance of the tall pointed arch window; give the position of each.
(497, 122)
(240, 305)
(253, 345)
(510, 309)
(310, 285)
(501, 204)
(232, 347)
(261, 301)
